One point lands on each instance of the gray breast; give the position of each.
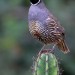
(37, 14)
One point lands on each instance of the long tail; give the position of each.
(63, 46)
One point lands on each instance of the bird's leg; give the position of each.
(42, 49)
(53, 48)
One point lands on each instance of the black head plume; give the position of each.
(35, 1)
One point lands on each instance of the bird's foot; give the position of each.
(43, 50)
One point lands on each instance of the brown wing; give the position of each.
(54, 27)
(57, 31)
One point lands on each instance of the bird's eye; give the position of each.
(34, 1)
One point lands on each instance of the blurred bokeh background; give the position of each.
(17, 46)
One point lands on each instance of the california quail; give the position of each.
(44, 26)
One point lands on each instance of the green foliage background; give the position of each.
(17, 46)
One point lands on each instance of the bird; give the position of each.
(45, 27)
